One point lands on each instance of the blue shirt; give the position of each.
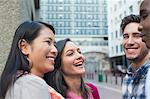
(133, 86)
(147, 88)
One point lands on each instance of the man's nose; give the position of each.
(130, 40)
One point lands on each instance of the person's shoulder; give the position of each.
(27, 84)
(94, 90)
(92, 86)
(28, 79)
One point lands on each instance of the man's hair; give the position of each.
(129, 19)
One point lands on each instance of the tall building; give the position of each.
(12, 13)
(117, 10)
(77, 19)
(84, 21)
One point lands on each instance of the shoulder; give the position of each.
(27, 84)
(147, 86)
(92, 86)
(31, 83)
(148, 79)
(25, 79)
(94, 90)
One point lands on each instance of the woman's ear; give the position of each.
(24, 46)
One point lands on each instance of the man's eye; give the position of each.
(125, 36)
(137, 35)
(143, 16)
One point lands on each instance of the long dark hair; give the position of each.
(16, 61)
(56, 78)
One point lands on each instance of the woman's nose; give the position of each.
(80, 56)
(54, 50)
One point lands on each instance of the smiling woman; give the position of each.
(68, 74)
(32, 55)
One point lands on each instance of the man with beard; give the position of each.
(144, 27)
(133, 86)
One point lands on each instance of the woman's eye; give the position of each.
(79, 52)
(48, 42)
(69, 54)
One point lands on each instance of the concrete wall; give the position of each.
(27, 10)
(12, 13)
(8, 22)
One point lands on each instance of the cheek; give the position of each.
(44, 49)
(123, 43)
(66, 63)
(146, 25)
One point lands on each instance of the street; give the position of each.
(107, 90)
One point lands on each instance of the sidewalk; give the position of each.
(110, 86)
(107, 90)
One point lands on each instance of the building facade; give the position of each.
(117, 10)
(84, 21)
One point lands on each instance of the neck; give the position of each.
(136, 65)
(36, 73)
(73, 84)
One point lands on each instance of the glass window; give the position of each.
(116, 32)
(60, 8)
(121, 49)
(60, 16)
(112, 49)
(50, 16)
(49, 8)
(115, 7)
(131, 9)
(124, 1)
(117, 49)
(125, 13)
(60, 1)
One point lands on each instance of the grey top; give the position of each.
(28, 87)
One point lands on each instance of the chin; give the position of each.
(132, 59)
(83, 72)
(49, 69)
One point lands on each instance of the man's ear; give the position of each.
(24, 46)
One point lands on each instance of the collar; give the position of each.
(141, 71)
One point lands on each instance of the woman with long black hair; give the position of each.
(32, 55)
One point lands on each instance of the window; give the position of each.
(116, 32)
(60, 8)
(117, 49)
(115, 7)
(121, 49)
(125, 13)
(131, 9)
(124, 1)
